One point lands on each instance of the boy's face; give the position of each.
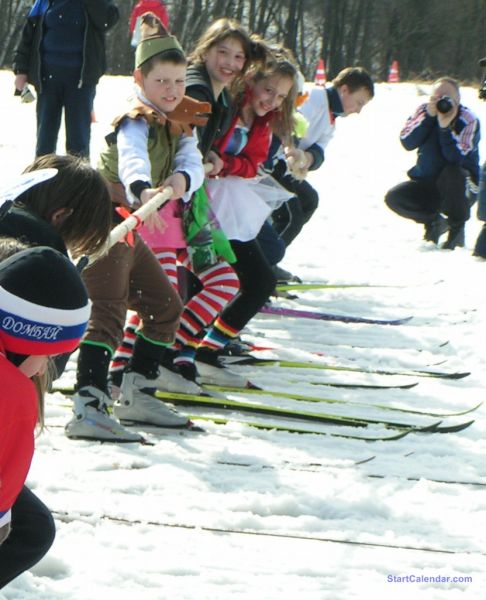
(164, 86)
(224, 61)
(353, 102)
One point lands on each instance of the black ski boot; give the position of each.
(455, 237)
(480, 247)
(435, 228)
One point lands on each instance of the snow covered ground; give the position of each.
(242, 513)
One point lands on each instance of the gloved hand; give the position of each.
(297, 162)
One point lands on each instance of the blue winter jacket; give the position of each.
(437, 146)
(101, 15)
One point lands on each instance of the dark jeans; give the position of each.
(289, 219)
(272, 245)
(257, 282)
(32, 534)
(423, 200)
(78, 105)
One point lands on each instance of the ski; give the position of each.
(194, 418)
(66, 517)
(300, 431)
(295, 364)
(264, 409)
(324, 316)
(364, 386)
(443, 481)
(305, 398)
(274, 411)
(320, 467)
(298, 467)
(285, 287)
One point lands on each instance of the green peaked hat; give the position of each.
(155, 45)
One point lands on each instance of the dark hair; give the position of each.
(10, 246)
(355, 78)
(79, 188)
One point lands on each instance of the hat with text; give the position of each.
(44, 306)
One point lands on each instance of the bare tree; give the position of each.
(428, 38)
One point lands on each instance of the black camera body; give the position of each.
(444, 104)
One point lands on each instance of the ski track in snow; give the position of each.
(353, 238)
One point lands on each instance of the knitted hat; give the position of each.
(44, 306)
(155, 39)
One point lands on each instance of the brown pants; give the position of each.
(130, 278)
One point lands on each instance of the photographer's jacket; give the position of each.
(437, 146)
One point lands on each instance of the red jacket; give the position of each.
(18, 418)
(246, 163)
(154, 6)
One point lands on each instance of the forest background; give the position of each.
(429, 38)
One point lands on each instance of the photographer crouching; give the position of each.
(480, 246)
(443, 182)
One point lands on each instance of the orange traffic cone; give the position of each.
(394, 74)
(320, 78)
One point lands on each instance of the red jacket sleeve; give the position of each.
(253, 154)
(18, 417)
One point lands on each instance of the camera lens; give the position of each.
(444, 104)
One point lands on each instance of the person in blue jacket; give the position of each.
(444, 179)
(480, 245)
(62, 54)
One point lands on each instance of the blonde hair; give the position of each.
(267, 62)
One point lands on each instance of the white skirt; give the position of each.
(242, 205)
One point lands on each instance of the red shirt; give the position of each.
(246, 163)
(153, 6)
(18, 418)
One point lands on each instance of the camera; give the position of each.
(444, 104)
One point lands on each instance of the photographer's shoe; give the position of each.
(480, 246)
(455, 237)
(434, 229)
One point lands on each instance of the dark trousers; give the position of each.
(78, 106)
(257, 282)
(482, 194)
(423, 200)
(289, 219)
(32, 534)
(272, 245)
